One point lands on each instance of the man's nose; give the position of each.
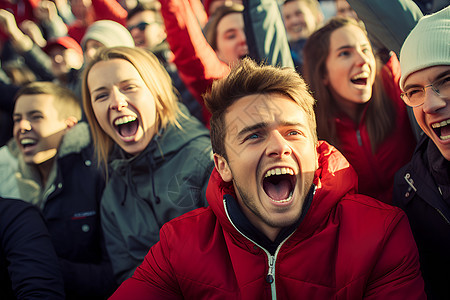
(24, 125)
(433, 102)
(277, 145)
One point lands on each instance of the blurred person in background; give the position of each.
(359, 109)
(146, 26)
(301, 18)
(104, 34)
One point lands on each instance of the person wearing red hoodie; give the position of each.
(283, 219)
(254, 29)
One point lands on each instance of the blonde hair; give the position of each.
(155, 77)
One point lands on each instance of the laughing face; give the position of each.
(231, 40)
(122, 103)
(271, 159)
(433, 115)
(298, 19)
(145, 29)
(350, 68)
(38, 128)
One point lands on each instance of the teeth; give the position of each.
(285, 200)
(361, 75)
(444, 137)
(441, 124)
(27, 141)
(124, 120)
(279, 171)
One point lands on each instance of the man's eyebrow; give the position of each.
(28, 112)
(265, 125)
(443, 74)
(439, 76)
(252, 128)
(292, 123)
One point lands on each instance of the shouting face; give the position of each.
(271, 159)
(122, 103)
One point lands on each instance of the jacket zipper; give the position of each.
(358, 137)
(271, 259)
(446, 220)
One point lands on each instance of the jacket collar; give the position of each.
(28, 177)
(244, 225)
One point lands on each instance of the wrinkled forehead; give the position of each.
(266, 110)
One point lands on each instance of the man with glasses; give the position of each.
(422, 188)
(146, 25)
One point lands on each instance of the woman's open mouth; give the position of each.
(126, 127)
(360, 79)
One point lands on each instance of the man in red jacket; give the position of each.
(284, 220)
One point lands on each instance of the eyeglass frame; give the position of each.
(423, 89)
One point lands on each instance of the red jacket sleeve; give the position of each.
(197, 63)
(397, 272)
(110, 10)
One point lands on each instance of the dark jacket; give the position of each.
(29, 266)
(70, 203)
(347, 247)
(145, 191)
(422, 190)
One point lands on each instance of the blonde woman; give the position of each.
(157, 156)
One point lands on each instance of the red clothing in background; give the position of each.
(376, 170)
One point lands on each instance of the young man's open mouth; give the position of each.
(279, 184)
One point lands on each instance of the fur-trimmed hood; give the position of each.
(28, 178)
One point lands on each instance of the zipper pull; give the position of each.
(269, 277)
(410, 181)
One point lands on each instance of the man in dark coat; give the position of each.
(422, 188)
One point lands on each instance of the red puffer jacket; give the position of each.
(348, 246)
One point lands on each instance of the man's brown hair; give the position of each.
(248, 78)
(64, 100)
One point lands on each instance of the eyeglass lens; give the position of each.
(416, 96)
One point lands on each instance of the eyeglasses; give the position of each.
(415, 96)
(141, 26)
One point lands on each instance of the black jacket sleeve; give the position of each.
(31, 261)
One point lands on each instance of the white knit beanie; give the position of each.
(427, 45)
(109, 33)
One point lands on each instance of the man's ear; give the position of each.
(70, 122)
(223, 168)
